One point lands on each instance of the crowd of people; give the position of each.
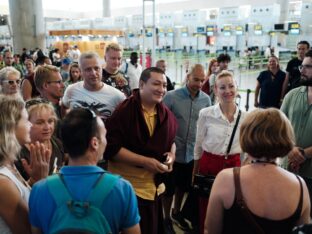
(124, 146)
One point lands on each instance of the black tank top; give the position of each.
(234, 221)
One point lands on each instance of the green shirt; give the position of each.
(299, 112)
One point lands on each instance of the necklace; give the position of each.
(18, 176)
(254, 161)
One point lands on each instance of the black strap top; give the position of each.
(235, 222)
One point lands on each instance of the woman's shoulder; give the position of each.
(207, 110)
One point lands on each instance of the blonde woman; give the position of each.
(43, 120)
(14, 192)
(215, 126)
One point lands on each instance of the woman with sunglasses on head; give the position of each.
(43, 119)
(28, 84)
(260, 197)
(14, 192)
(215, 148)
(10, 81)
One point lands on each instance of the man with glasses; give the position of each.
(297, 106)
(10, 81)
(92, 93)
(292, 79)
(48, 82)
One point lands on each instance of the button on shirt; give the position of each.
(214, 132)
(186, 110)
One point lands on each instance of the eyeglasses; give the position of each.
(305, 67)
(36, 101)
(12, 82)
(55, 81)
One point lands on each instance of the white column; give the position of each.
(106, 8)
(27, 24)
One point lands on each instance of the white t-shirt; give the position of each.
(24, 191)
(133, 73)
(104, 101)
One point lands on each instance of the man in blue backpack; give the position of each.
(83, 198)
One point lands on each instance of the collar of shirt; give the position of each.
(218, 112)
(72, 170)
(303, 89)
(187, 92)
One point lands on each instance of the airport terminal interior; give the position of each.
(180, 32)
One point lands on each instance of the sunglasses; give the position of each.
(12, 82)
(36, 101)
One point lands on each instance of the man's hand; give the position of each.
(295, 158)
(153, 165)
(170, 160)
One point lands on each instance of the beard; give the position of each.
(305, 81)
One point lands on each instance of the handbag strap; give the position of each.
(242, 205)
(233, 133)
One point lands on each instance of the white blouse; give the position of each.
(214, 132)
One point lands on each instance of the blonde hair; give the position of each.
(11, 108)
(43, 74)
(113, 46)
(266, 133)
(39, 107)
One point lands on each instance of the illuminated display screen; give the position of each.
(200, 29)
(170, 32)
(227, 33)
(227, 28)
(258, 27)
(210, 30)
(239, 30)
(184, 32)
(295, 31)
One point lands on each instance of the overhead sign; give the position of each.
(210, 29)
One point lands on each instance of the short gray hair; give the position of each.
(88, 55)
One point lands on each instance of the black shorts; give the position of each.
(180, 177)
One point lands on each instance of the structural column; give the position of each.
(106, 8)
(27, 24)
(284, 10)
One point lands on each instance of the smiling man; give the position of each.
(297, 106)
(111, 73)
(140, 136)
(92, 93)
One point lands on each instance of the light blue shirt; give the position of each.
(186, 110)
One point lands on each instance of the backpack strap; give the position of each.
(102, 188)
(127, 65)
(58, 189)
